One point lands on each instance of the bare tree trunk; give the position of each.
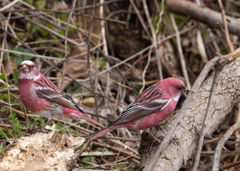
(181, 148)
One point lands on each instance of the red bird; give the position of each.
(151, 107)
(43, 97)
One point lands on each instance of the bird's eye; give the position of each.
(179, 88)
(33, 66)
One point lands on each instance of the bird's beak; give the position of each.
(185, 92)
(24, 68)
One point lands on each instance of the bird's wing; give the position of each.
(148, 102)
(44, 88)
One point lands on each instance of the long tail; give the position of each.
(99, 133)
(91, 120)
(77, 113)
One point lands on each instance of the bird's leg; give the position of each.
(155, 138)
(43, 129)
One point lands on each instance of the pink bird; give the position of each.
(151, 107)
(43, 97)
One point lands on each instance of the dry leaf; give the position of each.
(88, 102)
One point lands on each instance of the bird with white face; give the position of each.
(43, 97)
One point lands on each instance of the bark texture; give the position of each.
(184, 142)
(203, 14)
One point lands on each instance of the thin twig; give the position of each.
(179, 47)
(160, 17)
(9, 101)
(48, 29)
(209, 106)
(154, 39)
(15, 37)
(104, 19)
(230, 45)
(57, 20)
(88, 57)
(79, 152)
(206, 167)
(66, 32)
(59, 11)
(9, 5)
(66, 39)
(207, 153)
(237, 139)
(10, 126)
(218, 149)
(144, 71)
(41, 56)
(72, 57)
(141, 19)
(123, 139)
(28, 47)
(158, 56)
(105, 50)
(143, 50)
(230, 165)
(123, 151)
(93, 164)
(105, 47)
(5, 39)
(200, 43)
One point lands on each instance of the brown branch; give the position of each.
(230, 45)
(202, 14)
(230, 165)
(59, 11)
(83, 15)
